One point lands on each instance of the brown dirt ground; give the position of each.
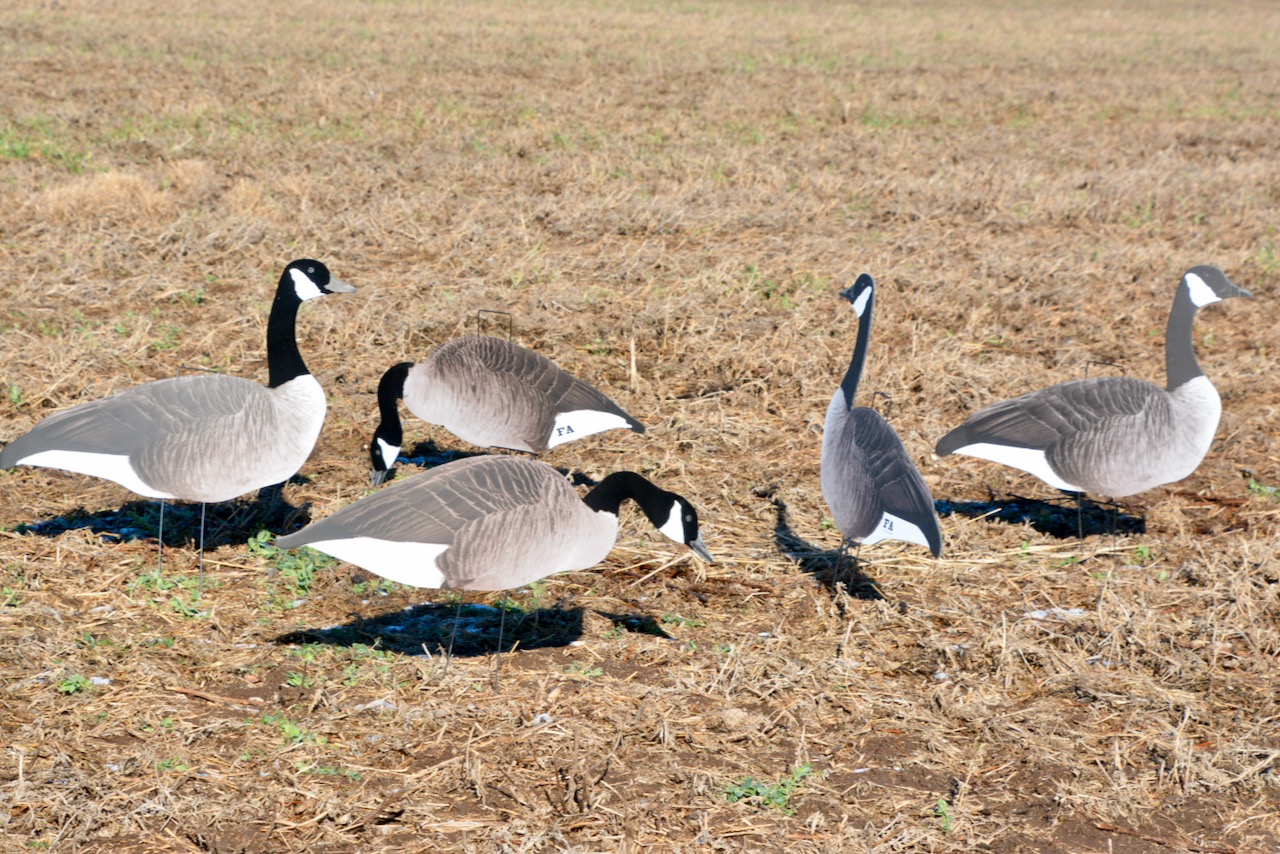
(667, 197)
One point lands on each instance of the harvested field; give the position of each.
(667, 198)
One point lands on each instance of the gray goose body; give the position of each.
(493, 394)
(490, 523)
(872, 487)
(1112, 436)
(207, 437)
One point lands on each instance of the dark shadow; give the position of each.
(641, 624)
(427, 455)
(428, 628)
(825, 565)
(1065, 518)
(226, 523)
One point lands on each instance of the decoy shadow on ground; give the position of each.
(472, 629)
(822, 564)
(227, 523)
(1065, 518)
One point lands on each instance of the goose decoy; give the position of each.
(206, 437)
(491, 393)
(874, 490)
(491, 523)
(1112, 436)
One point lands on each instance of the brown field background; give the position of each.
(667, 197)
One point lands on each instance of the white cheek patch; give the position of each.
(114, 467)
(860, 304)
(404, 563)
(583, 422)
(388, 453)
(1030, 460)
(673, 528)
(303, 286)
(893, 528)
(1201, 294)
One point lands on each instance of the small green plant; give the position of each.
(1268, 258)
(290, 731)
(1272, 492)
(769, 794)
(305, 767)
(168, 340)
(166, 724)
(298, 680)
(1142, 553)
(74, 684)
(586, 670)
(298, 567)
(189, 298)
(677, 620)
(943, 809)
(174, 764)
(188, 606)
(15, 395)
(375, 587)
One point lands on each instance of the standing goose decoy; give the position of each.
(1111, 436)
(874, 490)
(206, 437)
(491, 523)
(491, 393)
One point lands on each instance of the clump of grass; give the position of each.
(298, 567)
(764, 794)
(1257, 488)
(74, 683)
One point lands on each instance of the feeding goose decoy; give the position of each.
(874, 490)
(205, 437)
(491, 523)
(1112, 436)
(491, 393)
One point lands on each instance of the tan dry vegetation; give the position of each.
(667, 197)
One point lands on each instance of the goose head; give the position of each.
(1206, 285)
(311, 279)
(859, 294)
(680, 524)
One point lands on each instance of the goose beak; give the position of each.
(700, 549)
(337, 286)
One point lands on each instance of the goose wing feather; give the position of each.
(491, 392)
(1043, 418)
(433, 507)
(177, 434)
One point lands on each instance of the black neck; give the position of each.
(849, 385)
(284, 362)
(1179, 353)
(390, 390)
(621, 485)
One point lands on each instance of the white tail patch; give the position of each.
(404, 563)
(388, 453)
(303, 286)
(114, 467)
(1201, 293)
(583, 422)
(894, 528)
(1030, 460)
